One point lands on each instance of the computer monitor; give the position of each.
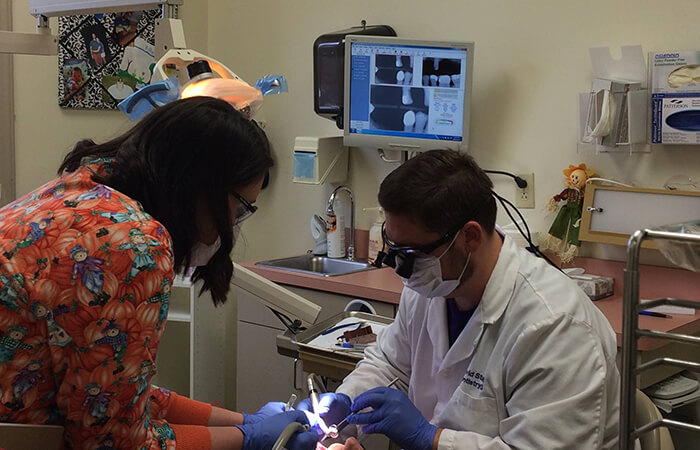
(407, 94)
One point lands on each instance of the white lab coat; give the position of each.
(533, 369)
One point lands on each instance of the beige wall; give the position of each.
(43, 131)
(531, 60)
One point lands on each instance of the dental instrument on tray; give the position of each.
(334, 430)
(340, 327)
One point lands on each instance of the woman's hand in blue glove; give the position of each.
(334, 407)
(270, 409)
(394, 416)
(262, 435)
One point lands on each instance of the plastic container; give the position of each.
(375, 233)
(335, 236)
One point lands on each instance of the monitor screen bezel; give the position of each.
(405, 143)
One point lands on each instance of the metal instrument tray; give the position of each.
(333, 363)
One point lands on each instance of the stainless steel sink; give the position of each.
(317, 265)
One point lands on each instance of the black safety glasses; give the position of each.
(402, 257)
(245, 208)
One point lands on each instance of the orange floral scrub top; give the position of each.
(85, 278)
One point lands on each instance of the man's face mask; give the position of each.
(426, 278)
(419, 270)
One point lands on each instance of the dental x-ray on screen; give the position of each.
(407, 94)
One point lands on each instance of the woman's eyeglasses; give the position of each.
(245, 208)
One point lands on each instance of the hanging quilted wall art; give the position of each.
(103, 58)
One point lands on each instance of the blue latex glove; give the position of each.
(270, 409)
(333, 408)
(394, 416)
(262, 435)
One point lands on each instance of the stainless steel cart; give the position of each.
(631, 333)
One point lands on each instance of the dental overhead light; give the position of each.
(179, 72)
(205, 82)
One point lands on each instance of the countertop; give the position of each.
(377, 284)
(655, 282)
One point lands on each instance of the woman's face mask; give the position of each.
(202, 253)
(426, 278)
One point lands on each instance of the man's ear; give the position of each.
(472, 236)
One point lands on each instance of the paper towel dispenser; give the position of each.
(329, 69)
(320, 160)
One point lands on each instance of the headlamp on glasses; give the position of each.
(402, 257)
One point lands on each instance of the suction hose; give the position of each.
(287, 433)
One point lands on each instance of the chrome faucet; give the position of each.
(330, 211)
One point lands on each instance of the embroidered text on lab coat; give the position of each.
(473, 378)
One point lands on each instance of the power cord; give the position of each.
(522, 184)
(526, 234)
(507, 204)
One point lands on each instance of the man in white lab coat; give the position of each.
(495, 348)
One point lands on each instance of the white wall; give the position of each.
(44, 132)
(531, 60)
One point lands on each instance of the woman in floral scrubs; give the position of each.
(86, 266)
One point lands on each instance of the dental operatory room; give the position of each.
(346, 225)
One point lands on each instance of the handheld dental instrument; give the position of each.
(315, 405)
(313, 394)
(334, 430)
(291, 402)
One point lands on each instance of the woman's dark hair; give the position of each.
(188, 153)
(441, 190)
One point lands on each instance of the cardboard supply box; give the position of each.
(595, 286)
(675, 97)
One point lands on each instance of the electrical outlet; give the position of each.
(525, 197)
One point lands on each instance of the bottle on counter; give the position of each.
(375, 233)
(335, 236)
